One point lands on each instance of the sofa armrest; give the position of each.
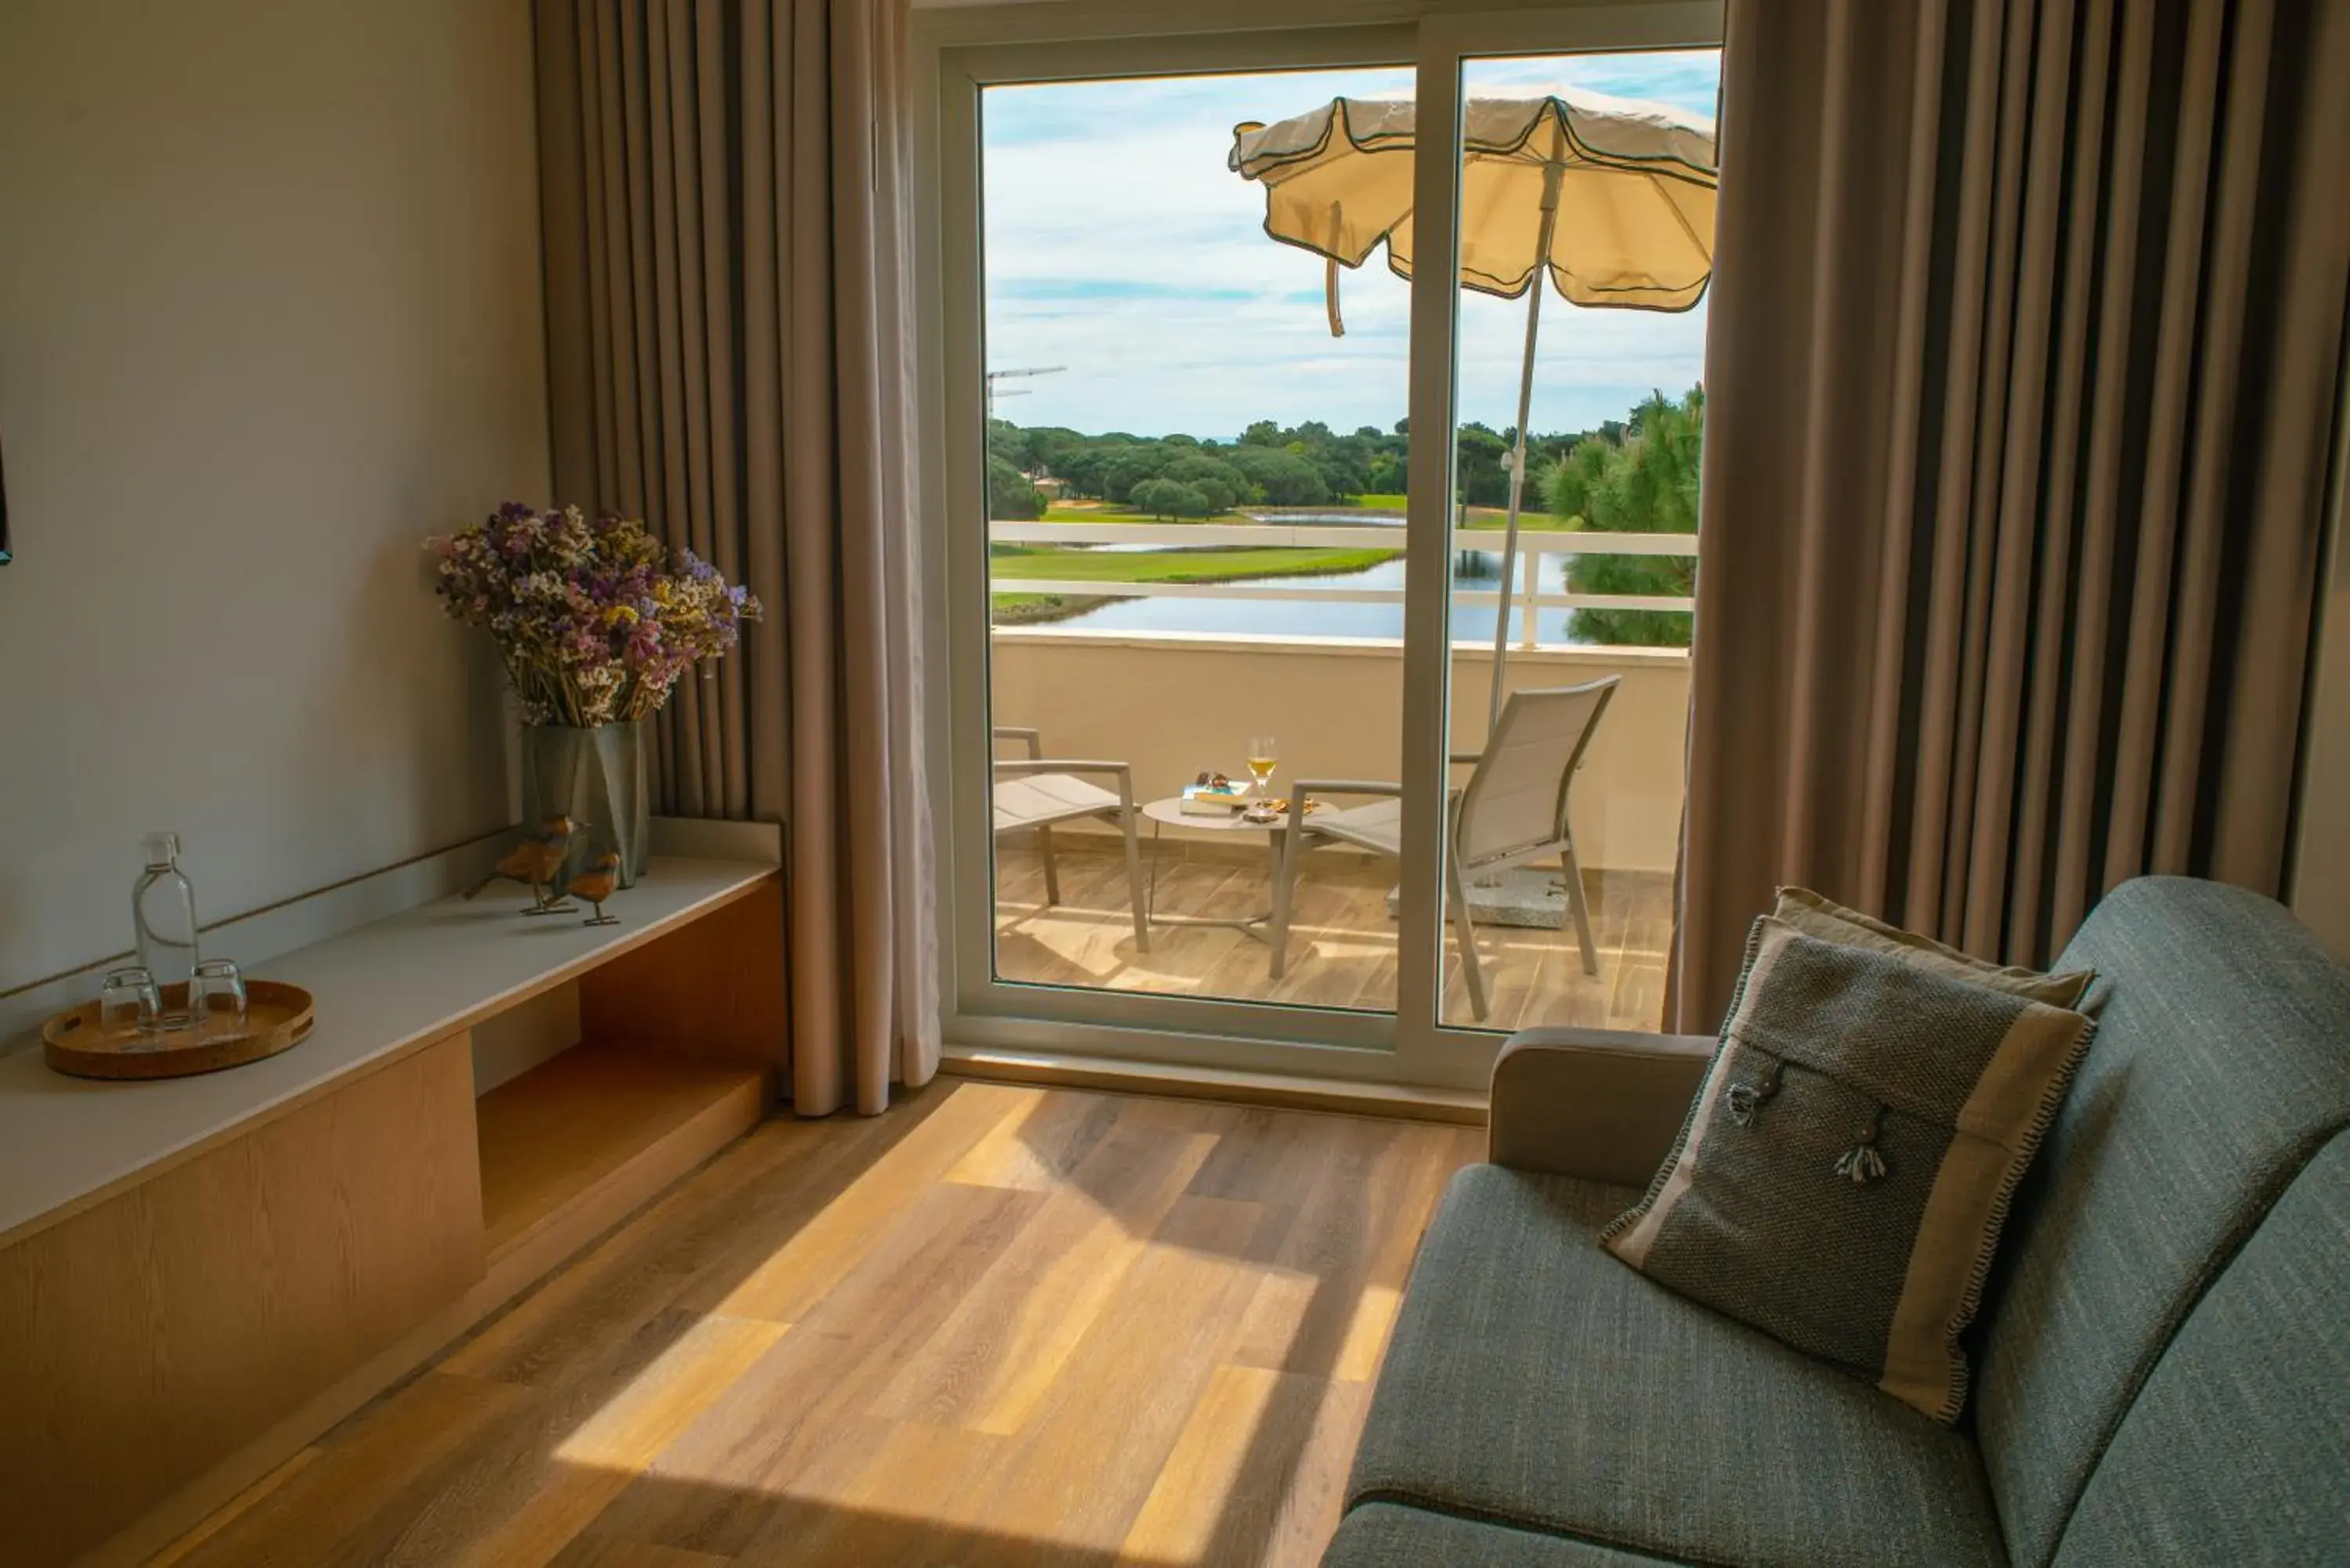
(1602, 1105)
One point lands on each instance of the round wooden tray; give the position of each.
(277, 1016)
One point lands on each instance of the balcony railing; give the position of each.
(1528, 601)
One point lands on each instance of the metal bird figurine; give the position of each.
(534, 863)
(595, 884)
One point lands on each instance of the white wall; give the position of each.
(1170, 705)
(269, 312)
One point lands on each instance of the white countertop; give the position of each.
(381, 990)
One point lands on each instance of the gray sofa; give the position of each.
(2162, 1365)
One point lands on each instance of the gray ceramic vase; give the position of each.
(595, 776)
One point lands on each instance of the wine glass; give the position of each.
(1263, 750)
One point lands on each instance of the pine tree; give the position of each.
(1644, 482)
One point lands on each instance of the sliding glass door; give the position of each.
(1586, 197)
(1219, 630)
(1195, 547)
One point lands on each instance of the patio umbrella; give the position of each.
(1613, 200)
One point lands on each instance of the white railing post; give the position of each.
(1526, 595)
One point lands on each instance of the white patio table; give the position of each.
(1170, 812)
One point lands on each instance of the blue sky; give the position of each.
(1119, 245)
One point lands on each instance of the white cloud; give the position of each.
(1119, 245)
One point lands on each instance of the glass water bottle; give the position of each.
(163, 911)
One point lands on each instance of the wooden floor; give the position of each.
(999, 1325)
(1343, 942)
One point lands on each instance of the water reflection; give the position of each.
(1303, 617)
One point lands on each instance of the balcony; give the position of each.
(1170, 703)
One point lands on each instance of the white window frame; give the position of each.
(958, 51)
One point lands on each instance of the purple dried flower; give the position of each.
(596, 620)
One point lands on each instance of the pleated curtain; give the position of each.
(725, 210)
(2024, 349)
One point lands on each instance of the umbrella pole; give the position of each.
(1551, 175)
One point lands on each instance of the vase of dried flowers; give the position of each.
(596, 620)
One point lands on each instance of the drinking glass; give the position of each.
(216, 997)
(1262, 750)
(128, 1002)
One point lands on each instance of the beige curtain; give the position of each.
(728, 275)
(2024, 350)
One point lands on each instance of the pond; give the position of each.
(1336, 519)
(1473, 569)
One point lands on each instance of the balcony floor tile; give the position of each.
(1342, 942)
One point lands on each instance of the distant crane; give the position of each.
(995, 375)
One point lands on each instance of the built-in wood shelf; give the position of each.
(571, 1145)
(391, 988)
(199, 1276)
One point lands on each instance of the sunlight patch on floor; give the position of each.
(1004, 1325)
(631, 1429)
(1114, 1254)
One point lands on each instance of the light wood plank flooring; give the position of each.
(999, 1325)
(1343, 943)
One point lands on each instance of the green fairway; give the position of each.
(1531, 522)
(1478, 516)
(1011, 563)
(1475, 517)
(1098, 512)
(1045, 563)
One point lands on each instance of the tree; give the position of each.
(1157, 497)
(1050, 446)
(1307, 464)
(1221, 484)
(1281, 477)
(1345, 465)
(1646, 484)
(1483, 478)
(1540, 467)
(1010, 497)
(1129, 467)
(1084, 467)
(1171, 498)
(1013, 444)
(1577, 479)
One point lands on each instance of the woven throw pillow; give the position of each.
(1842, 1177)
(1815, 915)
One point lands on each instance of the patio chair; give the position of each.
(1036, 790)
(1512, 812)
